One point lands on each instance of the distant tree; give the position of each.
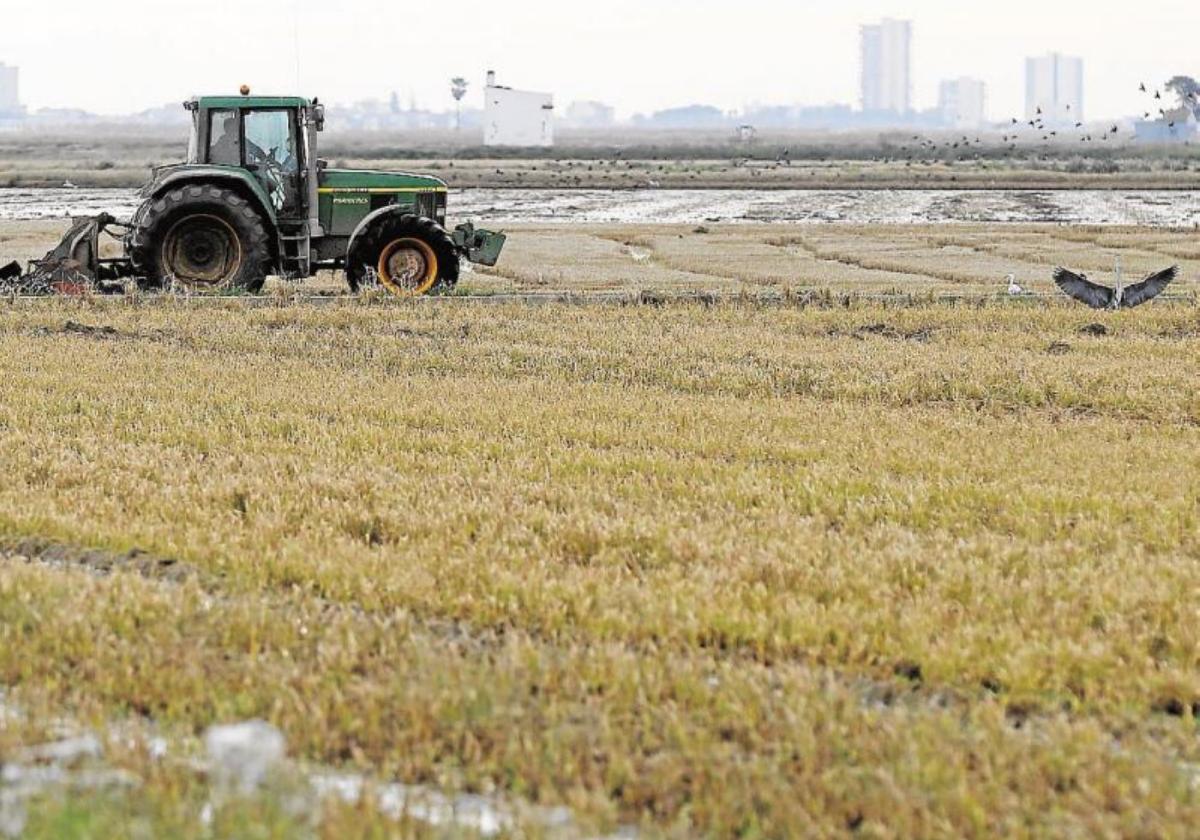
(1188, 91)
(458, 89)
(395, 103)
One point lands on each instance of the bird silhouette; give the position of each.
(1098, 296)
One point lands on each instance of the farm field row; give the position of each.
(913, 260)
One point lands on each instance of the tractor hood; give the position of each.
(365, 180)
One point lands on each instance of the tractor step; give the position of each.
(295, 250)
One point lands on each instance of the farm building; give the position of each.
(516, 117)
(1176, 126)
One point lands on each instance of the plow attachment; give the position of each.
(74, 267)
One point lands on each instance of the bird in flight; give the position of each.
(1099, 296)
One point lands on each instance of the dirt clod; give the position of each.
(88, 330)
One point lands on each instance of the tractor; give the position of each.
(254, 199)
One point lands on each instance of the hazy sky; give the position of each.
(640, 55)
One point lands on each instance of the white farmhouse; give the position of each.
(516, 117)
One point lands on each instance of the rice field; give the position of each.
(763, 564)
(115, 156)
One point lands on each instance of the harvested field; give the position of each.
(912, 260)
(728, 569)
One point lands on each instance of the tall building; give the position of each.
(516, 117)
(887, 66)
(962, 102)
(10, 95)
(1054, 83)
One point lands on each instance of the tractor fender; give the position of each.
(370, 219)
(225, 176)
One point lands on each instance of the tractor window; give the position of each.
(269, 138)
(271, 153)
(224, 145)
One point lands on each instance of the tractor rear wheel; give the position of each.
(408, 255)
(205, 237)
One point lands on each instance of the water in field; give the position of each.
(498, 207)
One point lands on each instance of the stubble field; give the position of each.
(757, 565)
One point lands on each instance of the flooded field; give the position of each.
(516, 206)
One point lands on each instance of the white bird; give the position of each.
(1014, 288)
(1122, 297)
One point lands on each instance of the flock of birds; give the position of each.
(1029, 136)
(1023, 138)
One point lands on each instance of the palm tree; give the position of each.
(458, 89)
(1188, 91)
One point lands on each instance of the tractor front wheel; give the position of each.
(204, 237)
(408, 255)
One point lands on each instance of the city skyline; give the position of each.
(807, 54)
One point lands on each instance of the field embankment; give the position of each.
(108, 157)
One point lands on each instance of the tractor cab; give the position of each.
(267, 136)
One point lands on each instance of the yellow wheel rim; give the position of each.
(408, 267)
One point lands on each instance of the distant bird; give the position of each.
(1158, 94)
(1122, 297)
(1142, 87)
(1014, 288)
(1039, 110)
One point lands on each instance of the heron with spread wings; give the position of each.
(1099, 296)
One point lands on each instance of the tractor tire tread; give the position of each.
(152, 224)
(364, 252)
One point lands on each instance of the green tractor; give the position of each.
(254, 199)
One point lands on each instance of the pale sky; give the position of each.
(122, 56)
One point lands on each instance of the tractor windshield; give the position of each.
(271, 153)
(269, 137)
